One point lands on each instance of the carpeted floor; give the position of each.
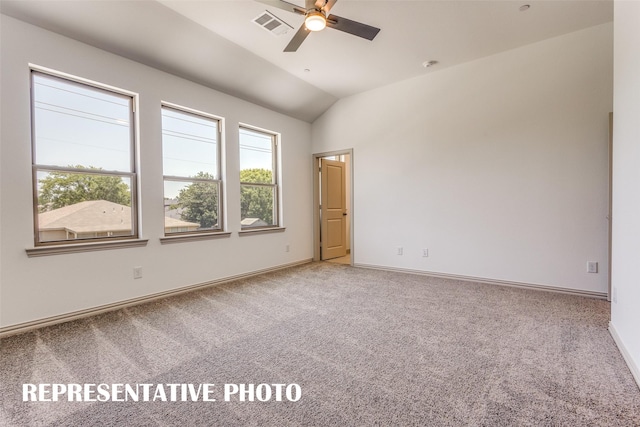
(366, 347)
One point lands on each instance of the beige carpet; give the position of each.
(366, 347)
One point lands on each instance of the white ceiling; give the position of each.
(215, 42)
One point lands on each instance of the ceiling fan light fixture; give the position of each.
(315, 21)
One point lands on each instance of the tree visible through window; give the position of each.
(258, 179)
(83, 161)
(191, 159)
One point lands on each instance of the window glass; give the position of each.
(189, 144)
(80, 125)
(258, 179)
(192, 185)
(256, 153)
(84, 173)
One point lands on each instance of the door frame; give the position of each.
(610, 212)
(316, 199)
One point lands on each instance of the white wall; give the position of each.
(37, 288)
(497, 166)
(625, 309)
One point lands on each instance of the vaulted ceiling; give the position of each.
(217, 44)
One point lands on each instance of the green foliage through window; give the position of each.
(256, 201)
(60, 189)
(199, 201)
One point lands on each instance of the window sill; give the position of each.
(248, 232)
(193, 237)
(84, 247)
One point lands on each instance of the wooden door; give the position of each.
(333, 209)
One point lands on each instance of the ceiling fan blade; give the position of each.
(352, 27)
(297, 39)
(281, 4)
(311, 4)
(325, 5)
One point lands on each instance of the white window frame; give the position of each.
(275, 185)
(219, 230)
(103, 242)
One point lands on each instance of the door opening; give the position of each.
(333, 207)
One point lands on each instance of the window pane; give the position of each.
(189, 144)
(256, 155)
(190, 206)
(256, 205)
(82, 206)
(78, 125)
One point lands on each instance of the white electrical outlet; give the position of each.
(425, 253)
(399, 250)
(137, 272)
(614, 297)
(592, 267)
(286, 248)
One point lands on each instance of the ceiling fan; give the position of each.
(316, 18)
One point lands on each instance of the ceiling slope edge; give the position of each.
(174, 44)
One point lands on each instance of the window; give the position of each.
(191, 164)
(83, 162)
(258, 179)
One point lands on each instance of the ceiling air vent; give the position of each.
(272, 24)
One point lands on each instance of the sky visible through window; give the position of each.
(255, 150)
(81, 125)
(189, 147)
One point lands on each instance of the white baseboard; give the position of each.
(633, 367)
(35, 324)
(579, 292)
